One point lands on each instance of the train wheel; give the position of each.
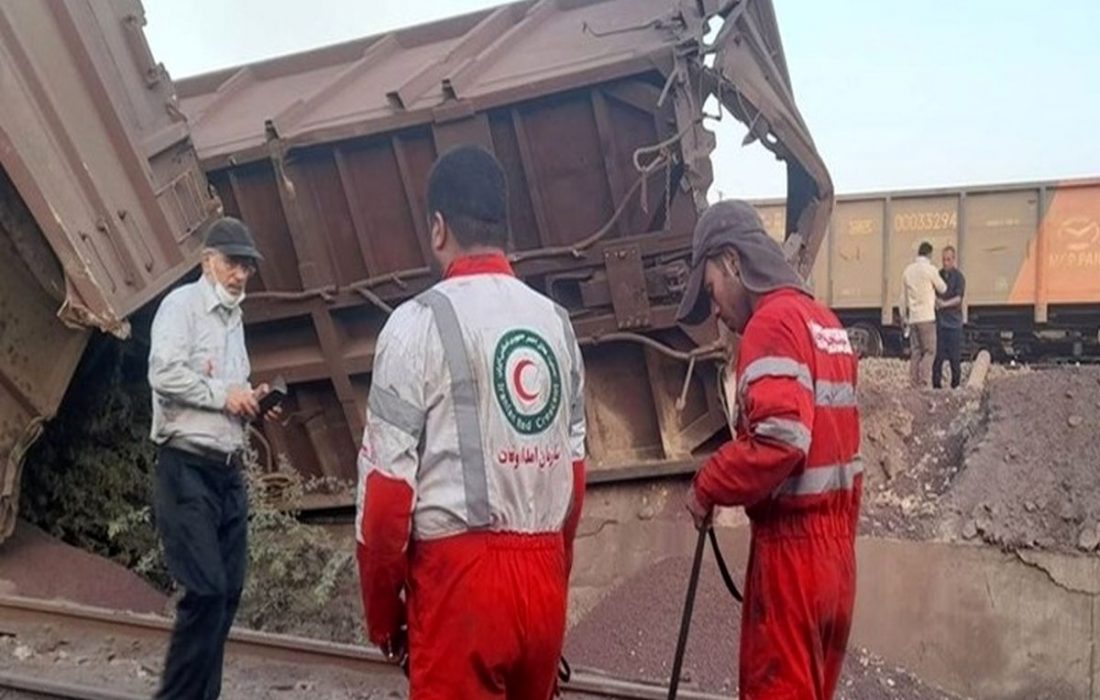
(866, 340)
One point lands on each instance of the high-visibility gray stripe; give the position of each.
(789, 432)
(776, 367)
(834, 394)
(818, 480)
(576, 407)
(388, 406)
(464, 394)
(826, 394)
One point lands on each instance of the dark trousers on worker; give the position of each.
(202, 517)
(949, 348)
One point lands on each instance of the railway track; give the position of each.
(257, 646)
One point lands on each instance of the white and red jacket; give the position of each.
(794, 460)
(475, 422)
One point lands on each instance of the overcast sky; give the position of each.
(897, 94)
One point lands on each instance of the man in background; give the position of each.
(920, 283)
(949, 321)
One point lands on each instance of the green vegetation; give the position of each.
(89, 482)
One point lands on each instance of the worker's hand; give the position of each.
(702, 515)
(939, 303)
(396, 646)
(275, 413)
(240, 401)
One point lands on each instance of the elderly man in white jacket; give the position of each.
(920, 282)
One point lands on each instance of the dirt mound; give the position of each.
(913, 442)
(868, 677)
(35, 565)
(633, 633)
(1014, 466)
(1031, 479)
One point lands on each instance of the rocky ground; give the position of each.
(1014, 466)
(134, 665)
(1030, 480)
(913, 446)
(35, 565)
(618, 636)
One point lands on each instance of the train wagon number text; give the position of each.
(925, 221)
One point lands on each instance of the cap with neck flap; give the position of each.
(735, 224)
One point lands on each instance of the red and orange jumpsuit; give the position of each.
(471, 484)
(794, 464)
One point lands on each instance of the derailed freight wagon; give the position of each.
(594, 108)
(102, 202)
(1030, 253)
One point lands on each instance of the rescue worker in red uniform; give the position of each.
(472, 463)
(794, 460)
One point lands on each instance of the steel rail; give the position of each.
(45, 688)
(262, 645)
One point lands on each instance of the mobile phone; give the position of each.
(274, 397)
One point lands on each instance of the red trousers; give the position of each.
(799, 596)
(486, 616)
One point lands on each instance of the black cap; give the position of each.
(231, 237)
(734, 223)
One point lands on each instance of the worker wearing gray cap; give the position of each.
(793, 462)
(198, 370)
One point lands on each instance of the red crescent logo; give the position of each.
(517, 381)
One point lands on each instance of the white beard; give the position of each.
(226, 298)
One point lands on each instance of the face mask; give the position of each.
(225, 298)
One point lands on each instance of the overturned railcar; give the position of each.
(102, 201)
(595, 109)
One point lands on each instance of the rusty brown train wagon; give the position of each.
(1030, 253)
(594, 108)
(102, 202)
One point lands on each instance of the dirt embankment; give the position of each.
(913, 444)
(1030, 480)
(1014, 466)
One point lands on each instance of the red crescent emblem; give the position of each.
(517, 381)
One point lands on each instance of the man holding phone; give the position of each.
(202, 402)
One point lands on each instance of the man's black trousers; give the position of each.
(202, 516)
(949, 348)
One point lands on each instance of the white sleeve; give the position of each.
(578, 426)
(937, 281)
(396, 405)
